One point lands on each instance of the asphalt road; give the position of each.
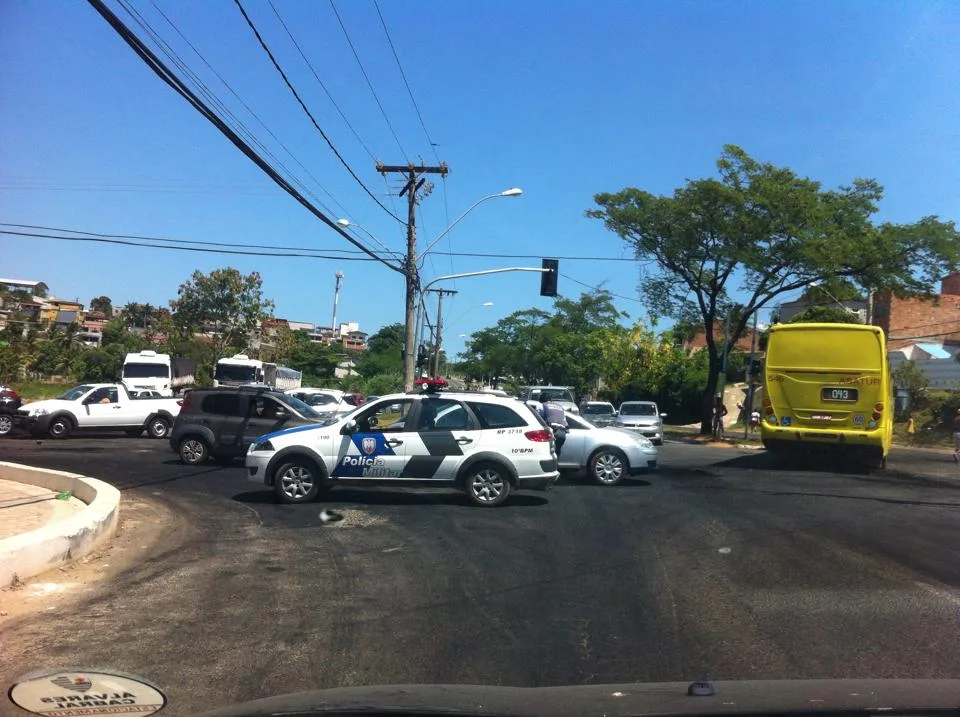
(722, 565)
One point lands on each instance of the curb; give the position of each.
(28, 554)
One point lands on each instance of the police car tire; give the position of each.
(302, 470)
(481, 475)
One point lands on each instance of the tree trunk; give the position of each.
(713, 377)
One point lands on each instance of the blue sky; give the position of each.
(562, 99)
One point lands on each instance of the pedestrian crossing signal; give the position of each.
(548, 279)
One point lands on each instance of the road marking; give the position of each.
(725, 551)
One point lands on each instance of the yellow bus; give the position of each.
(828, 385)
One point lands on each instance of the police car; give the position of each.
(485, 445)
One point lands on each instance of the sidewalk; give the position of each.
(24, 508)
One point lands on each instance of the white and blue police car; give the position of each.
(483, 444)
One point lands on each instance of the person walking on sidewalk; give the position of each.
(956, 437)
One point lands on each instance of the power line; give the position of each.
(245, 105)
(320, 82)
(363, 71)
(165, 74)
(406, 84)
(583, 283)
(313, 120)
(188, 248)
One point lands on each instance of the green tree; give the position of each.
(909, 377)
(97, 365)
(762, 230)
(102, 303)
(825, 315)
(383, 353)
(225, 304)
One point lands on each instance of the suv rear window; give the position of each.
(221, 404)
(494, 415)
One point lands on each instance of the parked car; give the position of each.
(10, 401)
(485, 445)
(561, 395)
(608, 455)
(328, 401)
(100, 406)
(643, 418)
(221, 423)
(599, 413)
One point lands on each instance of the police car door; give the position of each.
(446, 432)
(377, 446)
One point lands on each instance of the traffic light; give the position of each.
(421, 356)
(548, 279)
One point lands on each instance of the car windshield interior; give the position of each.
(146, 370)
(594, 409)
(552, 394)
(638, 409)
(228, 372)
(74, 393)
(298, 405)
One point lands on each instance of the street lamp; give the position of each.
(347, 223)
(513, 192)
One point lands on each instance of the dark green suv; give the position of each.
(221, 423)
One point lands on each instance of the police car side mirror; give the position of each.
(349, 427)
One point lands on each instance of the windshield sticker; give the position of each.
(72, 693)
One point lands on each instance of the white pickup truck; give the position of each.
(101, 406)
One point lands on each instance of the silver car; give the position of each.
(609, 455)
(599, 413)
(643, 418)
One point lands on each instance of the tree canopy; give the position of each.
(758, 231)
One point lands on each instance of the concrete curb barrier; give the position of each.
(23, 556)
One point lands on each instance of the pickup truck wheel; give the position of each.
(158, 427)
(608, 466)
(6, 424)
(297, 481)
(193, 451)
(60, 427)
(487, 485)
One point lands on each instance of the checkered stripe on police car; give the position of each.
(422, 455)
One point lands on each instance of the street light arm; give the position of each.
(348, 223)
(484, 273)
(508, 193)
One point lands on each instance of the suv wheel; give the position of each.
(193, 451)
(297, 481)
(158, 427)
(608, 466)
(486, 485)
(6, 424)
(60, 427)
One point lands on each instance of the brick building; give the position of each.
(907, 321)
(699, 340)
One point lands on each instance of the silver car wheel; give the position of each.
(193, 451)
(6, 425)
(296, 483)
(608, 468)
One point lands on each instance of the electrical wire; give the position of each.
(165, 74)
(367, 78)
(303, 106)
(406, 84)
(211, 96)
(188, 248)
(595, 288)
(246, 106)
(320, 82)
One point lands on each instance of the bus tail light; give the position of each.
(767, 403)
(876, 415)
(878, 407)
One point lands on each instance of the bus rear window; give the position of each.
(825, 349)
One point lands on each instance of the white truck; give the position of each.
(101, 406)
(241, 370)
(150, 371)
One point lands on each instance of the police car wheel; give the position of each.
(608, 466)
(486, 485)
(297, 482)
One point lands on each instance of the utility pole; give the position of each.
(748, 406)
(415, 181)
(438, 343)
(336, 300)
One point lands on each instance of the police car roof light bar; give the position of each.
(431, 385)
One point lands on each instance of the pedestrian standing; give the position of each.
(555, 417)
(719, 411)
(912, 428)
(956, 437)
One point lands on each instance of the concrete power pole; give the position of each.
(336, 300)
(415, 182)
(439, 341)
